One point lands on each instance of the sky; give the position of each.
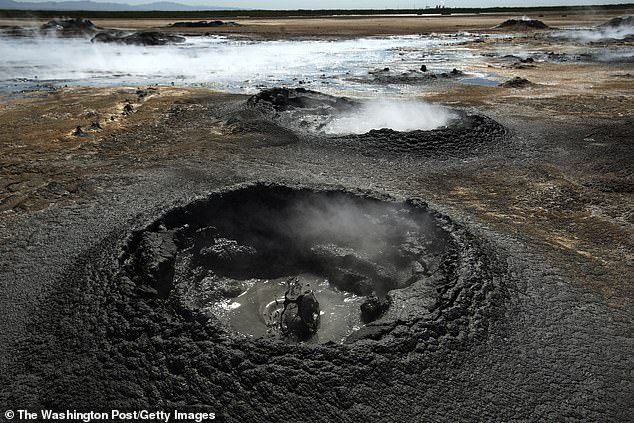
(368, 4)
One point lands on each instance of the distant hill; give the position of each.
(106, 7)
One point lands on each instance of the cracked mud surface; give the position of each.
(530, 317)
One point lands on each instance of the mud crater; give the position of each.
(361, 266)
(443, 130)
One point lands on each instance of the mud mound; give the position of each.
(132, 329)
(517, 82)
(138, 38)
(298, 109)
(73, 26)
(464, 135)
(618, 22)
(522, 24)
(78, 24)
(285, 99)
(412, 77)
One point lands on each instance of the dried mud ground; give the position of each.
(350, 26)
(552, 202)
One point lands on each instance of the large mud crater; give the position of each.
(278, 263)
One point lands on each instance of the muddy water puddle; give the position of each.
(255, 312)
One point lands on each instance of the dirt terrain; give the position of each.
(530, 316)
(353, 26)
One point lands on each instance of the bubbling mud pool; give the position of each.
(256, 311)
(296, 265)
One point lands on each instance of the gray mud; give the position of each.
(101, 301)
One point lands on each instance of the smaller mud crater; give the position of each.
(522, 23)
(414, 128)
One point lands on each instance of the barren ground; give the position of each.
(554, 201)
(341, 26)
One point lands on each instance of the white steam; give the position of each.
(218, 62)
(591, 35)
(401, 115)
(606, 32)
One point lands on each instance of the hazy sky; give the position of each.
(363, 4)
(366, 4)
